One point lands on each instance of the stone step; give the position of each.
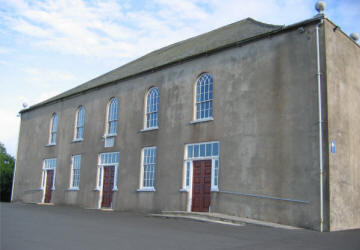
(219, 218)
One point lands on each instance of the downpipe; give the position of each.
(320, 127)
(16, 159)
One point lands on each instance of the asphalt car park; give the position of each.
(31, 226)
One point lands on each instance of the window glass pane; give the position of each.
(216, 149)
(202, 150)
(190, 151)
(208, 149)
(188, 174)
(100, 176)
(149, 159)
(216, 173)
(54, 123)
(152, 105)
(196, 150)
(76, 170)
(204, 96)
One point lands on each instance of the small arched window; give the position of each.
(152, 108)
(80, 121)
(112, 116)
(54, 121)
(203, 97)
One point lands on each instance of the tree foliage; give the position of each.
(7, 163)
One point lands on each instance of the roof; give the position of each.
(220, 38)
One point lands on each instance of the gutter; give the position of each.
(321, 164)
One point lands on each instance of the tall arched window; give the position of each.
(54, 121)
(203, 97)
(112, 116)
(152, 108)
(80, 120)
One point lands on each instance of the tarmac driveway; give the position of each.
(28, 226)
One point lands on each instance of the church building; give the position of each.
(253, 120)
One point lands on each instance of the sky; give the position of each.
(49, 46)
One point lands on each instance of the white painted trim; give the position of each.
(145, 128)
(141, 179)
(149, 129)
(44, 181)
(71, 187)
(195, 120)
(191, 160)
(106, 132)
(100, 177)
(202, 120)
(146, 189)
(51, 127)
(109, 135)
(77, 140)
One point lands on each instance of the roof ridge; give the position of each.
(213, 40)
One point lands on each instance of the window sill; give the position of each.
(184, 190)
(214, 189)
(202, 120)
(149, 129)
(50, 145)
(109, 135)
(77, 140)
(73, 189)
(96, 189)
(146, 190)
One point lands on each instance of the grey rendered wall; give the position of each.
(343, 87)
(265, 117)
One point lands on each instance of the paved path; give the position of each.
(66, 228)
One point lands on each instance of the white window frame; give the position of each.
(188, 166)
(146, 105)
(141, 179)
(78, 126)
(100, 171)
(53, 131)
(108, 121)
(195, 102)
(71, 186)
(51, 166)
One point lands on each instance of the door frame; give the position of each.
(189, 189)
(100, 180)
(44, 182)
(211, 180)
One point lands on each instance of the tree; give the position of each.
(7, 163)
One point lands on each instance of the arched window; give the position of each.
(80, 120)
(112, 116)
(152, 108)
(54, 121)
(203, 97)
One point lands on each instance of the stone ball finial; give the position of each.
(320, 6)
(354, 36)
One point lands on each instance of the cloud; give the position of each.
(48, 78)
(5, 51)
(113, 29)
(9, 128)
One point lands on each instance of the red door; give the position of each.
(201, 186)
(108, 185)
(49, 184)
